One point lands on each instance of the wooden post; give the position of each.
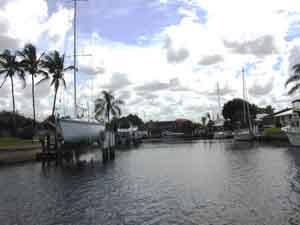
(112, 153)
(48, 142)
(105, 155)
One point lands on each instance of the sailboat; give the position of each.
(245, 134)
(78, 130)
(220, 132)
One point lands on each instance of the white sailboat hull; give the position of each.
(244, 135)
(293, 134)
(75, 131)
(223, 135)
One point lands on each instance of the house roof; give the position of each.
(289, 112)
(276, 113)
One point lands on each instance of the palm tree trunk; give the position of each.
(108, 130)
(14, 106)
(54, 102)
(13, 94)
(33, 100)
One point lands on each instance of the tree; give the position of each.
(294, 79)
(268, 109)
(234, 110)
(203, 119)
(54, 64)
(9, 68)
(31, 64)
(135, 120)
(107, 105)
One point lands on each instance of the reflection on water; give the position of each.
(207, 182)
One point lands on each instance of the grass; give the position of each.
(12, 142)
(272, 131)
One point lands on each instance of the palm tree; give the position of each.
(9, 67)
(31, 64)
(203, 119)
(294, 78)
(54, 64)
(107, 105)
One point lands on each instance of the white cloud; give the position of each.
(175, 75)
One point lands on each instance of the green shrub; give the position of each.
(272, 131)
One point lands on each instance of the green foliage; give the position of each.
(31, 64)
(23, 125)
(10, 68)
(203, 121)
(294, 79)
(54, 63)
(272, 131)
(268, 109)
(10, 142)
(127, 121)
(107, 105)
(233, 110)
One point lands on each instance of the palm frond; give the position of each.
(3, 82)
(21, 76)
(69, 68)
(119, 102)
(116, 111)
(52, 82)
(292, 79)
(42, 72)
(294, 89)
(296, 68)
(42, 80)
(64, 82)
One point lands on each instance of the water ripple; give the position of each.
(188, 183)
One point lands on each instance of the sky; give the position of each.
(164, 58)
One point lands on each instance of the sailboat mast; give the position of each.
(219, 100)
(244, 95)
(75, 58)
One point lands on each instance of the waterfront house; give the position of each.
(278, 119)
(155, 128)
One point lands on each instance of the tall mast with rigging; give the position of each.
(244, 95)
(75, 54)
(75, 58)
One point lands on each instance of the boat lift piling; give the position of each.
(109, 144)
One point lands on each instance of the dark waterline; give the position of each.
(188, 183)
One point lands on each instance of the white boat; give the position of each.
(293, 129)
(75, 130)
(293, 134)
(169, 134)
(223, 135)
(78, 131)
(243, 135)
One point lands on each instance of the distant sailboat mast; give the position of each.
(246, 106)
(219, 100)
(75, 58)
(75, 55)
(244, 95)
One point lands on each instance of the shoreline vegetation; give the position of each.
(16, 150)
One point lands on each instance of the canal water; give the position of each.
(201, 182)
